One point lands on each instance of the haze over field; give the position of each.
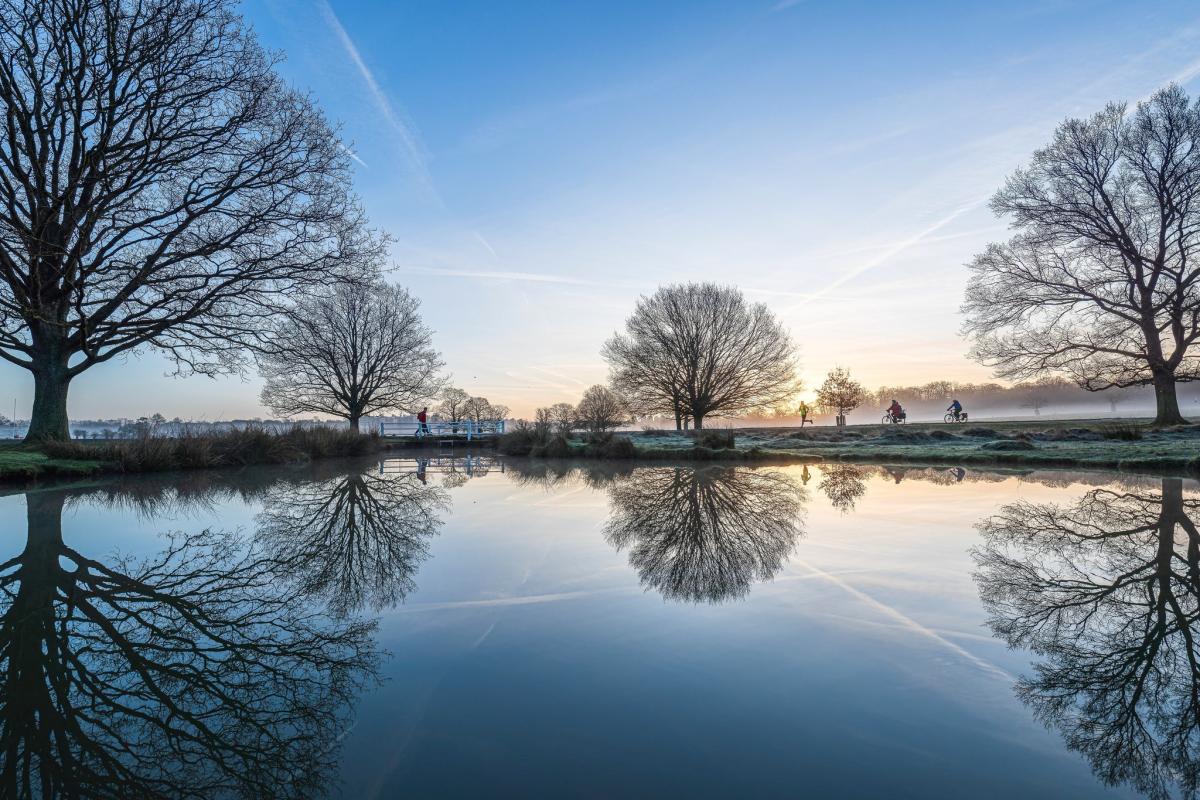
(540, 166)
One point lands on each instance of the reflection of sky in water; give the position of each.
(531, 659)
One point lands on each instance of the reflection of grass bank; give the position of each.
(1063, 443)
(28, 461)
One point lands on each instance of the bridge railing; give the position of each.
(467, 428)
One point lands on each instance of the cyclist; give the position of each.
(956, 409)
(895, 410)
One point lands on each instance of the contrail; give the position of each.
(892, 251)
(408, 139)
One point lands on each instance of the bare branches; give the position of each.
(700, 350)
(1100, 280)
(355, 351)
(194, 673)
(705, 534)
(1107, 593)
(840, 393)
(159, 186)
(601, 410)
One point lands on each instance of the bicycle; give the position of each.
(895, 419)
(952, 417)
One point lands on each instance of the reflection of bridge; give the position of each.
(470, 465)
(447, 431)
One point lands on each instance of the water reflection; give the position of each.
(355, 540)
(1106, 593)
(705, 534)
(195, 672)
(844, 484)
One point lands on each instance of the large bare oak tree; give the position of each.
(358, 350)
(1099, 281)
(698, 350)
(159, 186)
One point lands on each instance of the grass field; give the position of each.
(1110, 444)
(17, 463)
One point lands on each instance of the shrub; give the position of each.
(648, 431)
(250, 445)
(1008, 445)
(1122, 431)
(616, 447)
(980, 432)
(557, 446)
(715, 439)
(520, 442)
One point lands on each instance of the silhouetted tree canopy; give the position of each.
(355, 540)
(705, 534)
(1098, 282)
(698, 350)
(843, 484)
(601, 410)
(351, 352)
(194, 673)
(1106, 593)
(160, 186)
(840, 394)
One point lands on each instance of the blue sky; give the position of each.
(542, 164)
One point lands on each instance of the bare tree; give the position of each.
(355, 540)
(478, 409)
(562, 417)
(705, 534)
(194, 673)
(453, 407)
(601, 410)
(844, 485)
(1098, 282)
(840, 393)
(160, 186)
(698, 350)
(358, 350)
(1106, 593)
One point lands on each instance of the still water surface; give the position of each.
(475, 628)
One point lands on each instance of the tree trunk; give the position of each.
(49, 422)
(354, 422)
(699, 420)
(678, 420)
(1166, 400)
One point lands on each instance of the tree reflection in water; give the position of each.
(705, 534)
(194, 673)
(355, 540)
(1107, 594)
(843, 484)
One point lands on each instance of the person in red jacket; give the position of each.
(896, 410)
(422, 424)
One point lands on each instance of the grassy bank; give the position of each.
(1121, 445)
(22, 462)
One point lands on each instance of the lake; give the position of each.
(474, 627)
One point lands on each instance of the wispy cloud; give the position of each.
(409, 142)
